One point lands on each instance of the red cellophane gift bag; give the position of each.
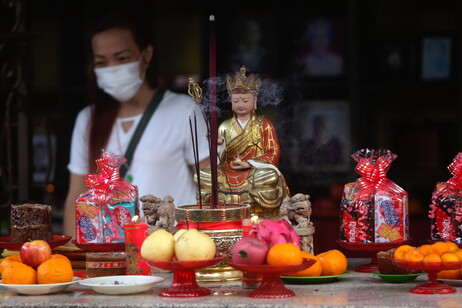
(109, 203)
(374, 209)
(446, 206)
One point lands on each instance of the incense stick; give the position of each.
(197, 163)
(196, 157)
(213, 113)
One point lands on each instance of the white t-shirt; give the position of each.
(162, 161)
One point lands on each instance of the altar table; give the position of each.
(354, 290)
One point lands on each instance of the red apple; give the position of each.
(250, 250)
(35, 252)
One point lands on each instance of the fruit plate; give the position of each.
(115, 285)
(100, 247)
(452, 282)
(431, 268)
(38, 289)
(397, 278)
(312, 280)
(58, 240)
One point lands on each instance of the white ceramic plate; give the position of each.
(452, 282)
(38, 289)
(128, 284)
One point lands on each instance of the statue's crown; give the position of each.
(242, 83)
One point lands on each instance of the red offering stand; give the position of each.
(373, 248)
(431, 268)
(58, 240)
(100, 247)
(272, 285)
(184, 277)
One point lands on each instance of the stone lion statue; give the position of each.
(160, 213)
(297, 211)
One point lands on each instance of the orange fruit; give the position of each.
(333, 262)
(7, 261)
(401, 251)
(413, 255)
(449, 274)
(449, 257)
(284, 254)
(452, 246)
(424, 249)
(19, 273)
(432, 257)
(440, 248)
(312, 271)
(59, 256)
(458, 253)
(56, 270)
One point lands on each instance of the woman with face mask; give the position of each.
(124, 92)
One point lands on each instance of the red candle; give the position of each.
(135, 234)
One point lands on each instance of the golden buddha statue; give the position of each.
(249, 153)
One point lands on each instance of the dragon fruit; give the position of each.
(275, 232)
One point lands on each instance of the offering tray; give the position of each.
(58, 240)
(431, 268)
(39, 289)
(373, 248)
(184, 277)
(100, 247)
(397, 278)
(271, 285)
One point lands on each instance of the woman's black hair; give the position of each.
(105, 107)
(139, 31)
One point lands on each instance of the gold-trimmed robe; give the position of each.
(256, 144)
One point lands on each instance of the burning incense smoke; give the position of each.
(271, 94)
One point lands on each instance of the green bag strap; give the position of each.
(140, 129)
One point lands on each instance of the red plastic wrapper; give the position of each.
(374, 209)
(446, 205)
(109, 203)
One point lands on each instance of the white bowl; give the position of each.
(38, 289)
(128, 284)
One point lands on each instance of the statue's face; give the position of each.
(243, 104)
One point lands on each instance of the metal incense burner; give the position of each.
(224, 226)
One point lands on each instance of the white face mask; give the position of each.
(120, 81)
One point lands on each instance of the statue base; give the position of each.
(306, 238)
(224, 226)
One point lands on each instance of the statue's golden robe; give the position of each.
(263, 186)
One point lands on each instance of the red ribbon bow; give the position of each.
(455, 168)
(108, 180)
(373, 175)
